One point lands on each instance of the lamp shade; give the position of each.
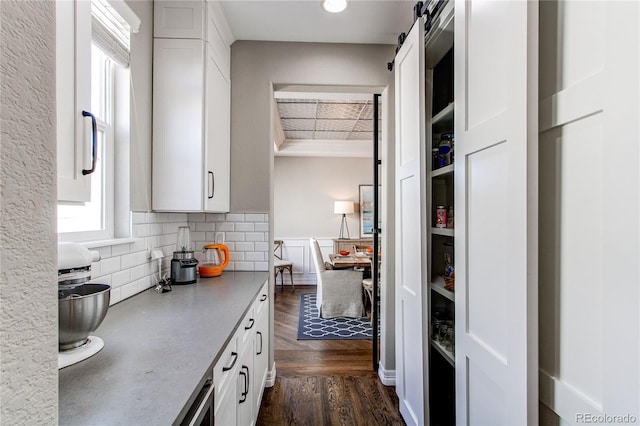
(343, 207)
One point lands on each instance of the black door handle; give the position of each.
(94, 143)
(251, 320)
(211, 185)
(261, 344)
(235, 358)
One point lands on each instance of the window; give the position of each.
(94, 220)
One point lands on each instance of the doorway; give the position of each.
(323, 152)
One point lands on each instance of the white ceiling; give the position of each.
(364, 21)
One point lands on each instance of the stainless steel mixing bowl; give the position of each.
(81, 310)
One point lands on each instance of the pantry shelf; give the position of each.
(437, 285)
(446, 232)
(445, 353)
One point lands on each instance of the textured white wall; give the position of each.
(304, 189)
(29, 317)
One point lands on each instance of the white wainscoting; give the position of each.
(298, 251)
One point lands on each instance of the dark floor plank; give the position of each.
(328, 382)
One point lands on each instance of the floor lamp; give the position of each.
(344, 208)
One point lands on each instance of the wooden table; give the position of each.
(349, 261)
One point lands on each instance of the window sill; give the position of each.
(109, 243)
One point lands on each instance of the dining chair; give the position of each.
(280, 265)
(338, 291)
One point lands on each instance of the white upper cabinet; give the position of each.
(191, 109)
(178, 19)
(73, 95)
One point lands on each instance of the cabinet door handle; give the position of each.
(243, 395)
(263, 298)
(235, 358)
(259, 334)
(246, 383)
(94, 143)
(211, 185)
(251, 322)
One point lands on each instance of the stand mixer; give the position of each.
(81, 305)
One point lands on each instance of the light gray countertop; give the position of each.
(158, 351)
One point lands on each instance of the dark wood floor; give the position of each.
(325, 382)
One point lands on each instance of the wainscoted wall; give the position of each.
(128, 269)
(298, 251)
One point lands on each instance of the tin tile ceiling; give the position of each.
(319, 119)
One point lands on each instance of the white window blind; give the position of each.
(110, 31)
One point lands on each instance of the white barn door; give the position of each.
(411, 321)
(496, 82)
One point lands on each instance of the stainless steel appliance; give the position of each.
(183, 264)
(81, 306)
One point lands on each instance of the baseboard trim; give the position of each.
(387, 377)
(271, 377)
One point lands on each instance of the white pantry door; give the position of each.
(411, 321)
(496, 178)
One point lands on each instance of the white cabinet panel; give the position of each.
(496, 187)
(411, 380)
(73, 95)
(178, 19)
(217, 128)
(178, 84)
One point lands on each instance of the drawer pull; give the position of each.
(246, 384)
(235, 358)
(263, 298)
(261, 343)
(250, 326)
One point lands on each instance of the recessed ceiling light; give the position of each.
(334, 6)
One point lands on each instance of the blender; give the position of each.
(183, 264)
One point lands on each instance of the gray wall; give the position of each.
(305, 189)
(255, 66)
(28, 294)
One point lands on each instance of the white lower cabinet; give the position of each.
(240, 374)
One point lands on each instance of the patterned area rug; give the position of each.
(310, 326)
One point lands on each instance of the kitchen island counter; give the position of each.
(158, 351)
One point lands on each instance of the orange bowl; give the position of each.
(344, 252)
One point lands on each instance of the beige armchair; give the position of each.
(339, 292)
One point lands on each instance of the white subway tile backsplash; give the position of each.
(110, 265)
(129, 290)
(205, 226)
(225, 226)
(246, 235)
(254, 256)
(255, 236)
(244, 266)
(138, 217)
(134, 259)
(120, 249)
(245, 246)
(139, 272)
(234, 217)
(234, 236)
(261, 266)
(244, 227)
(121, 278)
(128, 268)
